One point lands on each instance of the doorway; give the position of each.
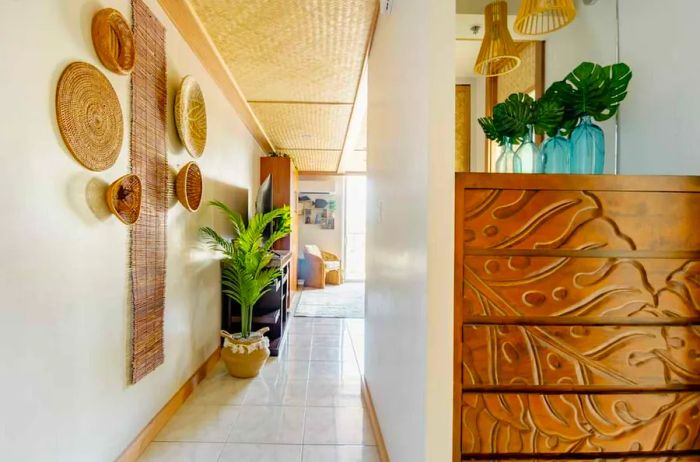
(355, 227)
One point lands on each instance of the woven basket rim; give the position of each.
(184, 177)
(68, 117)
(189, 95)
(111, 199)
(114, 20)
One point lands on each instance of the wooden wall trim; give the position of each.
(186, 21)
(374, 422)
(149, 432)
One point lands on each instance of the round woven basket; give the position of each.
(89, 116)
(124, 198)
(191, 116)
(113, 41)
(188, 186)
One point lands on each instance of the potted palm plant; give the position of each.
(247, 276)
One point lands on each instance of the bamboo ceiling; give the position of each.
(298, 63)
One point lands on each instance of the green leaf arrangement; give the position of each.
(246, 273)
(512, 117)
(591, 90)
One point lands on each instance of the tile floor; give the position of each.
(304, 407)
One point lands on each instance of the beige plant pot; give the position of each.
(244, 357)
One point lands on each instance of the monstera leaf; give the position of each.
(490, 130)
(593, 90)
(512, 116)
(548, 115)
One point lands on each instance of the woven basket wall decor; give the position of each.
(188, 186)
(89, 116)
(113, 41)
(124, 198)
(191, 116)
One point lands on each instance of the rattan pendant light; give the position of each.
(537, 17)
(498, 54)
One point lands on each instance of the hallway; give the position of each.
(305, 406)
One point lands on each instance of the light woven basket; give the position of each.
(188, 186)
(191, 116)
(113, 41)
(124, 198)
(89, 116)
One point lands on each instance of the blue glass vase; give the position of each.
(508, 161)
(556, 155)
(587, 146)
(529, 153)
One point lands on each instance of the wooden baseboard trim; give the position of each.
(149, 432)
(374, 422)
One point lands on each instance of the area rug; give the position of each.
(344, 301)
(149, 162)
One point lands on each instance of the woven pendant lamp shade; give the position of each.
(498, 54)
(537, 17)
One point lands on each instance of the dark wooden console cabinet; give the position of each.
(577, 318)
(272, 310)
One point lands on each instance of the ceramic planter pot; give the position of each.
(244, 357)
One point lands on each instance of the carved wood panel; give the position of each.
(512, 423)
(577, 318)
(579, 220)
(659, 458)
(580, 356)
(626, 289)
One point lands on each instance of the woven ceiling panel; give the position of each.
(304, 126)
(291, 50)
(314, 161)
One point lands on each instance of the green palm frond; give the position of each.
(247, 274)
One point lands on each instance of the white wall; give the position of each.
(659, 119)
(592, 37)
(410, 229)
(64, 334)
(330, 240)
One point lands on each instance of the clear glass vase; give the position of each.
(508, 161)
(529, 153)
(555, 152)
(587, 147)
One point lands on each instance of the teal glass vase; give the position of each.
(508, 161)
(529, 153)
(587, 147)
(555, 152)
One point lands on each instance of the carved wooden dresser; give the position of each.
(577, 318)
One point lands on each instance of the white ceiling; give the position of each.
(477, 6)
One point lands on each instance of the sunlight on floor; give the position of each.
(304, 407)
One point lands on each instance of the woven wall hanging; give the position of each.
(124, 198)
(191, 116)
(188, 186)
(113, 41)
(149, 162)
(89, 116)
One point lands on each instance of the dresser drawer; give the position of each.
(580, 220)
(566, 357)
(628, 289)
(511, 423)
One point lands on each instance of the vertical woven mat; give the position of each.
(149, 162)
